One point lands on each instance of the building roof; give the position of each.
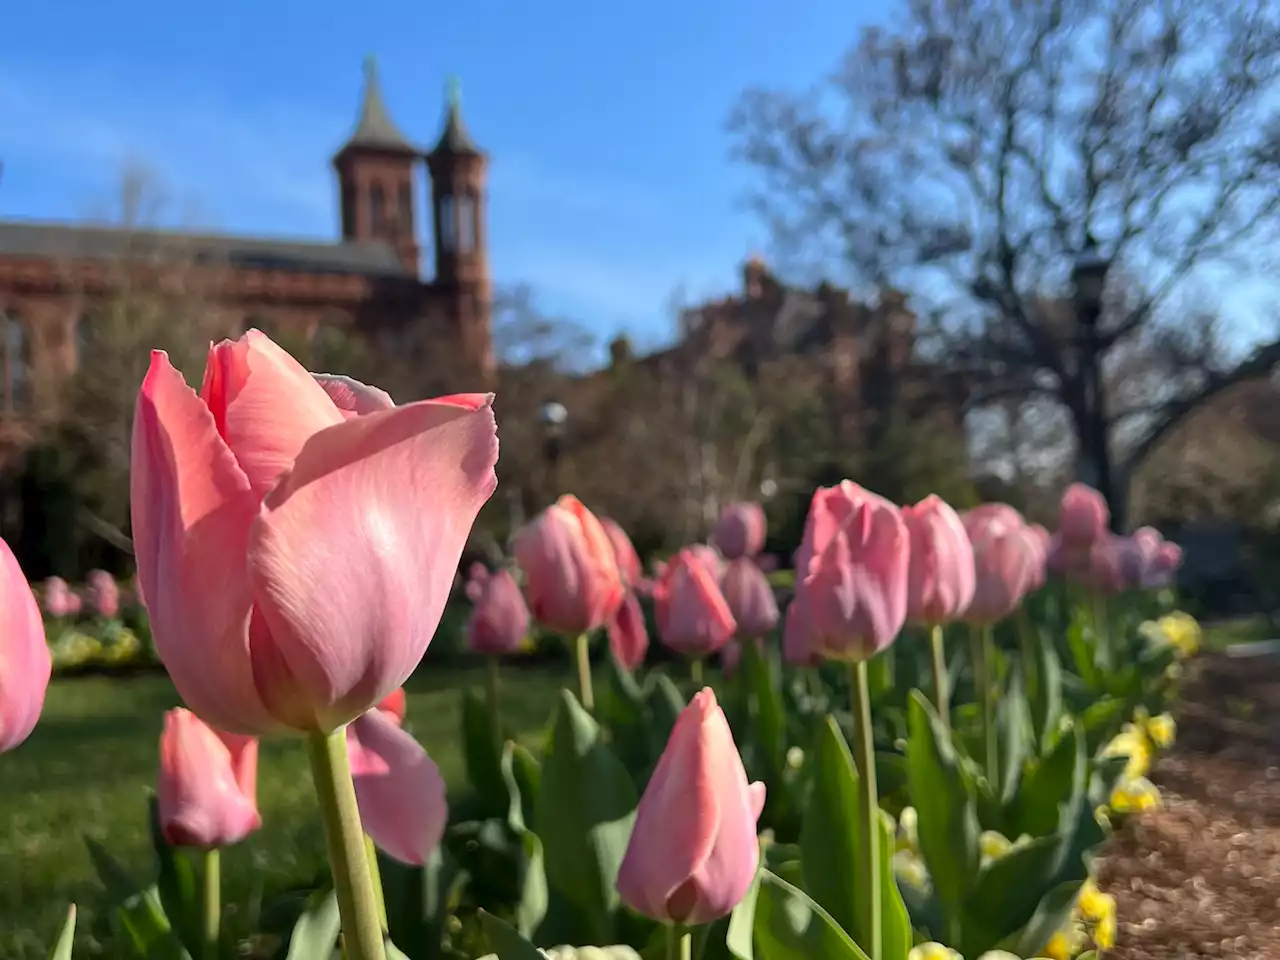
(85, 241)
(455, 140)
(374, 128)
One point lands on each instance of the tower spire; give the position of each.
(374, 126)
(454, 139)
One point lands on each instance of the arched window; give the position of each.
(378, 208)
(17, 362)
(447, 223)
(405, 209)
(466, 223)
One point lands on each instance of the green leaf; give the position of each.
(177, 885)
(532, 906)
(665, 701)
(831, 847)
(505, 941)
(67, 938)
(765, 708)
(528, 776)
(1046, 706)
(790, 926)
(480, 750)
(1007, 891)
(742, 923)
(586, 809)
(947, 821)
(1013, 726)
(1079, 638)
(1103, 719)
(315, 934)
(1049, 785)
(1051, 915)
(138, 913)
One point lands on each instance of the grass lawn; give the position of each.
(88, 767)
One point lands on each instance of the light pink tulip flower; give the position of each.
(1082, 515)
(940, 584)
(207, 784)
(740, 531)
(750, 597)
(25, 664)
(499, 622)
(297, 537)
(628, 635)
(692, 615)
(693, 852)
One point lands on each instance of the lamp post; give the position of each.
(1089, 281)
(553, 417)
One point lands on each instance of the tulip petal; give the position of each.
(199, 797)
(353, 398)
(192, 507)
(398, 788)
(266, 405)
(354, 554)
(25, 664)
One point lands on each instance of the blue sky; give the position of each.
(612, 186)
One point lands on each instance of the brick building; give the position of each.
(54, 275)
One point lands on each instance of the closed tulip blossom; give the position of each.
(693, 852)
(57, 598)
(624, 553)
(854, 592)
(940, 584)
(693, 617)
(628, 635)
(1082, 515)
(706, 555)
(205, 790)
(399, 789)
(1007, 562)
(499, 622)
(797, 641)
(1164, 567)
(25, 664)
(740, 531)
(572, 581)
(750, 597)
(333, 520)
(103, 594)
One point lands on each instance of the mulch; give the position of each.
(1201, 876)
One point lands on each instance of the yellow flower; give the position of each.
(908, 838)
(1134, 795)
(999, 955)
(1093, 904)
(1162, 730)
(1066, 943)
(910, 869)
(993, 845)
(933, 951)
(1104, 932)
(1182, 632)
(1131, 742)
(795, 758)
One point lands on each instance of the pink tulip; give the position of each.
(103, 594)
(399, 789)
(740, 531)
(572, 581)
(940, 583)
(628, 636)
(499, 622)
(1082, 515)
(1105, 571)
(25, 665)
(692, 615)
(731, 653)
(205, 790)
(1164, 567)
(854, 594)
(1042, 541)
(989, 519)
(1007, 563)
(693, 852)
(798, 648)
(767, 562)
(750, 598)
(57, 597)
(624, 552)
(707, 556)
(333, 520)
(394, 705)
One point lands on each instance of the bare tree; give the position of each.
(975, 151)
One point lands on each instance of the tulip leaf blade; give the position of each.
(1014, 728)
(1046, 703)
(739, 936)
(1053, 783)
(481, 743)
(315, 933)
(1051, 915)
(67, 937)
(137, 911)
(789, 925)
(505, 941)
(947, 819)
(586, 810)
(831, 843)
(532, 906)
(176, 883)
(1007, 892)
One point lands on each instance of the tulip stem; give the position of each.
(865, 755)
(491, 694)
(695, 673)
(980, 649)
(679, 943)
(372, 853)
(941, 698)
(586, 694)
(348, 857)
(212, 903)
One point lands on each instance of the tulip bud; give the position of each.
(750, 597)
(572, 581)
(1082, 515)
(204, 791)
(940, 583)
(624, 552)
(740, 531)
(628, 636)
(1006, 561)
(499, 622)
(103, 594)
(25, 664)
(692, 615)
(693, 852)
